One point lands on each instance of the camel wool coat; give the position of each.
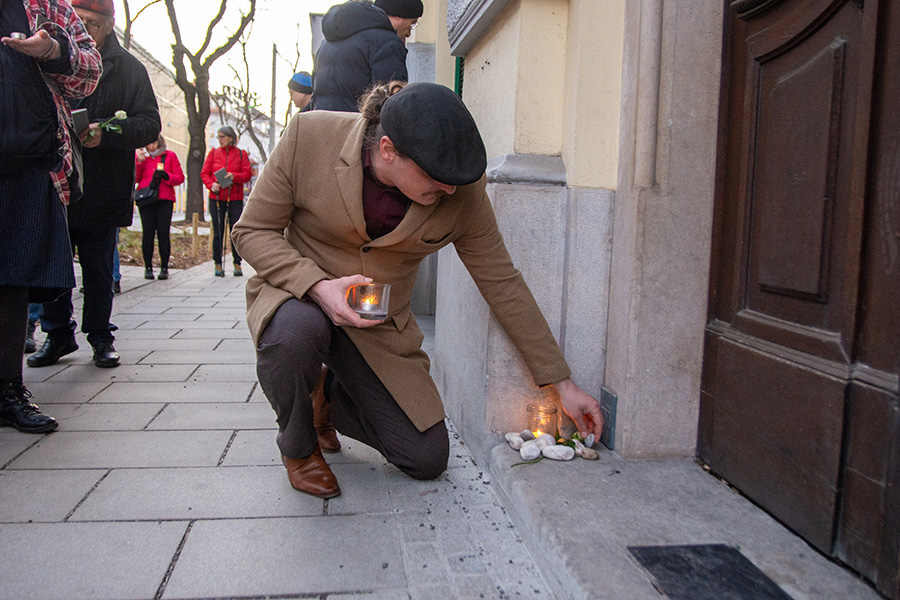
(304, 223)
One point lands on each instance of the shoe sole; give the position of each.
(41, 429)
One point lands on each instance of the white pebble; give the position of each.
(558, 452)
(543, 442)
(549, 438)
(579, 447)
(529, 450)
(526, 435)
(590, 454)
(589, 440)
(515, 440)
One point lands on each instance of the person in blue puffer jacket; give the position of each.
(364, 45)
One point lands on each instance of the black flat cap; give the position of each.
(405, 9)
(431, 125)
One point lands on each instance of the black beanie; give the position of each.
(430, 124)
(405, 9)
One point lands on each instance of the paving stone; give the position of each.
(424, 564)
(80, 373)
(94, 417)
(258, 557)
(187, 392)
(219, 334)
(35, 374)
(167, 344)
(238, 313)
(188, 324)
(135, 449)
(206, 357)
(13, 443)
(215, 416)
(246, 372)
(56, 392)
(145, 334)
(353, 451)
(363, 489)
(24, 497)
(253, 447)
(469, 564)
(195, 493)
(77, 561)
(387, 595)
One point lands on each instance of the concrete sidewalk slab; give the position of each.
(300, 556)
(81, 561)
(125, 449)
(195, 493)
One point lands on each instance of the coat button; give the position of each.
(366, 249)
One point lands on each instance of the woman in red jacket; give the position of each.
(226, 192)
(162, 169)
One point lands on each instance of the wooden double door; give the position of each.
(799, 406)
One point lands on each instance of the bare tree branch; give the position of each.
(197, 94)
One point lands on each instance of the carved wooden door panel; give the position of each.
(795, 285)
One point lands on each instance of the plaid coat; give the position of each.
(304, 222)
(77, 81)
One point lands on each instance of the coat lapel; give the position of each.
(349, 176)
(415, 217)
(350, 181)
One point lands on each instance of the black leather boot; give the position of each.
(163, 273)
(30, 344)
(105, 355)
(54, 348)
(17, 410)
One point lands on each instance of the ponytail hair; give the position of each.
(370, 104)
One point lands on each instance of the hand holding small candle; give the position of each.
(370, 300)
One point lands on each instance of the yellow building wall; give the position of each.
(546, 80)
(593, 92)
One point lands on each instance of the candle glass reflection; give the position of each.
(542, 418)
(370, 300)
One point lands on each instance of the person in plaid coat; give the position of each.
(46, 58)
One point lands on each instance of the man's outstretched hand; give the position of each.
(581, 407)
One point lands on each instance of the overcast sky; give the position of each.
(282, 22)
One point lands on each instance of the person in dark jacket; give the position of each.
(125, 92)
(363, 46)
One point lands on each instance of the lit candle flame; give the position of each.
(370, 300)
(537, 433)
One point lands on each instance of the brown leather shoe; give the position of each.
(327, 434)
(312, 475)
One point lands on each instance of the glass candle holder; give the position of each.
(370, 300)
(542, 418)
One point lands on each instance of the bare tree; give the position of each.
(294, 63)
(197, 94)
(126, 33)
(246, 103)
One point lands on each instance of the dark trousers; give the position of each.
(156, 220)
(218, 209)
(95, 246)
(289, 358)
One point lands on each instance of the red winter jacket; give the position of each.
(233, 160)
(144, 170)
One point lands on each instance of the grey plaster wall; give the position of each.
(559, 238)
(660, 257)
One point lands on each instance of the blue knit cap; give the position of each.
(301, 82)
